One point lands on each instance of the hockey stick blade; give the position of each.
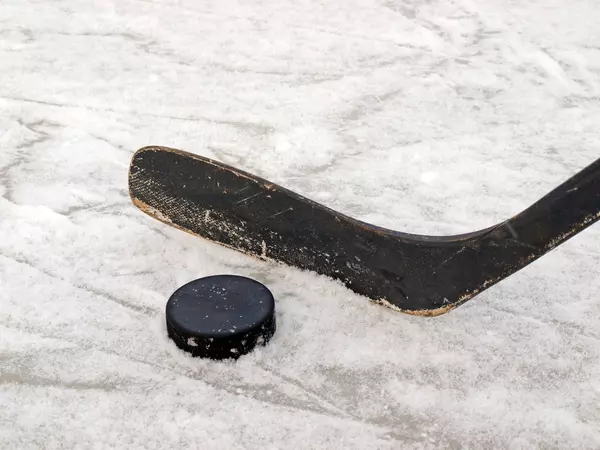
(415, 274)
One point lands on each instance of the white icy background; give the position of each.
(436, 117)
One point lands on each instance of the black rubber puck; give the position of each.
(221, 317)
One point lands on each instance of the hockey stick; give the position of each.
(423, 275)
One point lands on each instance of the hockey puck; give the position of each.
(221, 316)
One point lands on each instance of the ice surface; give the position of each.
(431, 117)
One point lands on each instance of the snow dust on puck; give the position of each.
(221, 316)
